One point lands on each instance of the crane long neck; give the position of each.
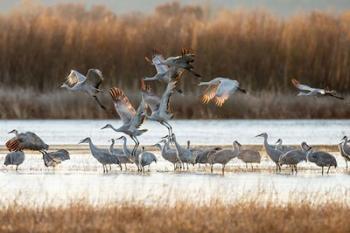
(113, 128)
(236, 149)
(93, 148)
(266, 144)
(111, 147)
(178, 147)
(125, 148)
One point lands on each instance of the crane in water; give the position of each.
(271, 151)
(119, 153)
(344, 149)
(52, 159)
(223, 156)
(14, 158)
(103, 156)
(132, 120)
(294, 157)
(321, 159)
(26, 141)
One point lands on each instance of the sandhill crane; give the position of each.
(220, 89)
(271, 151)
(305, 90)
(293, 157)
(103, 156)
(132, 120)
(185, 155)
(248, 156)
(89, 84)
(119, 153)
(321, 159)
(27, 140)
(202, 154)
(52, 159)
(14, 158)
(129, 154)
(161, 112)
(344, 149)
(145, 158)
(283, 148)
(184, 61)
(223, 156)
(164, 74)
(168, 153)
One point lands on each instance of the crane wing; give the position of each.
(74, 78)
(151, 100)
(225, 88)
(122, 105)
(94, 77)
(165, 100)
(301, 87)
(158, 61)
(209, 93)
(139, 117)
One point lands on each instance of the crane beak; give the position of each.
(259, 135)
(104, 127)
(119, 138)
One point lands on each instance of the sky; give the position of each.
(282, 7)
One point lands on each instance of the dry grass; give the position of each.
(61, 104)
(39, 45)
(216, 217)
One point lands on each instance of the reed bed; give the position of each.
(20, 103)
(39, 45)
(183, 217)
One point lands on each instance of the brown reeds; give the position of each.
(39, 45)
(19, 103)
(242, 217)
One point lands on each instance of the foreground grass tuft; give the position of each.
(216, 217)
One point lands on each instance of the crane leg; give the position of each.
(322, 170)
(133, 153)
(211, 168)
(296, 169)
(328, 169)
(170, 129)
(246, 166)
(223, 169)
(252, 166)
(346, 162)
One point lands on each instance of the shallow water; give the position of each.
(214, 132)
(82, 177)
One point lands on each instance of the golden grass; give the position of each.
(217, 217)
(39, 45)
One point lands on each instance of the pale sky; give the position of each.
(282, 7)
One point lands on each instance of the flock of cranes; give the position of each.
(157, 108)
